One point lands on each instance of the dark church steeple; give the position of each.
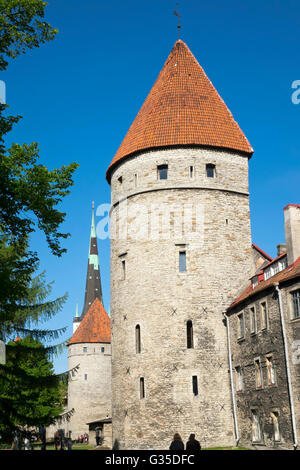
(93, 288)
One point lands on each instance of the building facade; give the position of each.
(265, 348)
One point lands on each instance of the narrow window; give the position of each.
(162, 172)
(85, 376)
(191, 171)
(84, 349)
(120, 179)
(256, 430)
(296, 303)
(264, 315)
(142, 387)
(182, 261)
(275, 420)
(135, 180)
(102, 350)
(252, 320)
(210, 170)
(241, 325)
(189, 334)
(239, 379)
(138, 339)
(123, 269)
(258, 374)
(270, 370)
(195, 385)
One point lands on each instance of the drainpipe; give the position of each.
(237, 437)
(287, 365)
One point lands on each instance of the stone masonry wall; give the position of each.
(89, 390)
(147, 289)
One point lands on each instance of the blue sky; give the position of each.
(79, 94)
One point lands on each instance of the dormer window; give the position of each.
(162, 172)
(210, 170)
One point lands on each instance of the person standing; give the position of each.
(192, 444)
(26, 443)
(56, 440)
(177, 443)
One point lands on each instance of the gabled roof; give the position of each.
(182, 109)
(95, 326)
(291, 272)
(261, 252)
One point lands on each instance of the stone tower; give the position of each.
(89, 389)
(180, 245)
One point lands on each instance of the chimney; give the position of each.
(281, 248)
(292, 231)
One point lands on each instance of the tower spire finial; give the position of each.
(176, 13)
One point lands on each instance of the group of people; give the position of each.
(192, 444)
(82, 438)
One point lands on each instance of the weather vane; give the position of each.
(176, 13)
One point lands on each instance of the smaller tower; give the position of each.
(89, 390)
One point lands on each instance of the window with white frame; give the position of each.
(241, 325)
(258, 373)
(264, 315)
(182, 261)
(267, 273)
(270, 370)
(275, 420)
(162, 172)
(252, 320)
(210, 170)
(296, 303)
(256, 429)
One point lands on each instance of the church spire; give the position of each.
(93, 287)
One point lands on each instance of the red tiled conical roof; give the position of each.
(182, 108)
(95, 326)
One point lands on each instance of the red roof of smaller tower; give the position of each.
(95, 326)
